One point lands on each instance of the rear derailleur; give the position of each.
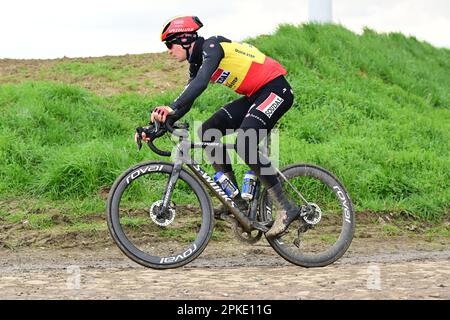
(310, 215)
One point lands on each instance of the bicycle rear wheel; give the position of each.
(144, 233)
(326, 230)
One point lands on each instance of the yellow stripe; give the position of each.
(237, 60)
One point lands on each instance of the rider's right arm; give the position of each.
(193, 70)
(181, 111)
(212, 54)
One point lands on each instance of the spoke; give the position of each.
(294, 188)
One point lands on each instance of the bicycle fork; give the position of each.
(177, 166)
(170, 186)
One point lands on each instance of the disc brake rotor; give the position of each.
(312, 214)
(162, 219)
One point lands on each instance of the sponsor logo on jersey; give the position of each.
(245, 53)
(232, 83)
(220, 76)
(270, 105)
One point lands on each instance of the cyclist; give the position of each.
(267, 96)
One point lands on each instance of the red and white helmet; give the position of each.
(181, 30)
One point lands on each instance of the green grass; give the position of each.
(438, 232)
(373, 109)
(87, 227)
(180, 234)
(391, 230)
(331, 239)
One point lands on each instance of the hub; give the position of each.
(162, 219)
(312, 214)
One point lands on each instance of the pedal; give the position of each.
(222, 216)
(228, 218)
(259, 226)
(285, 232)
(268, 224)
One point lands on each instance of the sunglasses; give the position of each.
(169, 45)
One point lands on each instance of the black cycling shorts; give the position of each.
(259, 111)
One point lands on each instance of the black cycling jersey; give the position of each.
(238, 66)
(247, 71)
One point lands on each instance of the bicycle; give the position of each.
(161, 216)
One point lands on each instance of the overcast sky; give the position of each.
(82, 28)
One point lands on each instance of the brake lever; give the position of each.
(153, 131)
(139, 138)
(157, 124)
(139, 143)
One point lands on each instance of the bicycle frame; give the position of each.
(182, 156)
(248, 223)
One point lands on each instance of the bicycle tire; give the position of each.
(334, 188)
(127, 246)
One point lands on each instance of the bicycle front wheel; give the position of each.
(325, 230)
(150, 236)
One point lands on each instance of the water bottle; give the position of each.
(248, 185)
(225, 183)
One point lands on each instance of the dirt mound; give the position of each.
(151, 73)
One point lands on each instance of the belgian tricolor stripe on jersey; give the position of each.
(245, 69)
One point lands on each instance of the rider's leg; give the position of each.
(270, 104)
(221, 123)
(225, 121)
(286, 212)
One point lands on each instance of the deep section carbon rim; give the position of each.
(325, 232)
(150, 236)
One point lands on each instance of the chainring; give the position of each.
(240, 234)
(244, 236)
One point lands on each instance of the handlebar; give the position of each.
(156, 130)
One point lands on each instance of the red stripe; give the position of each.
(216, 75)
(260, 74)
(266, 102)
